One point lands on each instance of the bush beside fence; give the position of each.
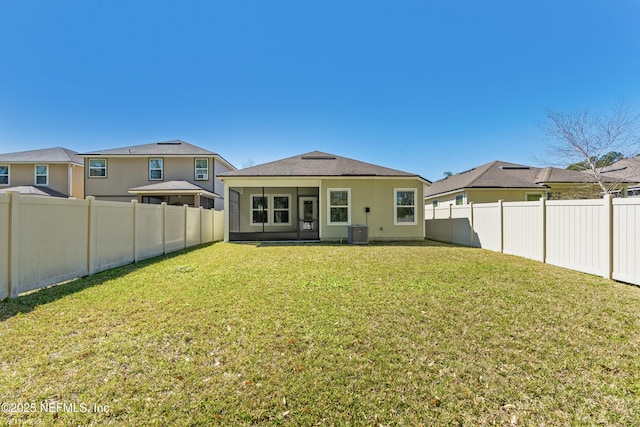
(45, 240)
(593, 236)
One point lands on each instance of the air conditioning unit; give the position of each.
(358, 234)
(202, 176)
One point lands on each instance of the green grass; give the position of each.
(413, 334)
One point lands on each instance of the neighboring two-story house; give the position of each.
(56, 172)
(174, 172)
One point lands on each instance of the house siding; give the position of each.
(379, 196)
(130, 172)
(24, 174)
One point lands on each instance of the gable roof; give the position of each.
(45, 155)
(499, 174)
(317, 163)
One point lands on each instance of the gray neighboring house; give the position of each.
(55, 172)
(625, 170)
(511, 182)
(174, 172)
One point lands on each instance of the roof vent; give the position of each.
(515, 168)
(318, 157)
(170, 143)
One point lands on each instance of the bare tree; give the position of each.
(581, 136)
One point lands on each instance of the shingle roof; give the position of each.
(627, 169)
(34, 191)
(167, 148)
(317, 163)
(499, 174)
(172, 187)
(45, 155)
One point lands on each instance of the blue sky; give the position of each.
(423, 86)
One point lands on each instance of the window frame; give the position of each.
(273, 210)
(103, 159)
(8, 175)
(435, 203)
(195, 169)
(36, 175)
(396, 206)
(330, 206)
(252, 210)
(455, 200)
(161, 168)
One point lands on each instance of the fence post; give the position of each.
(450, 223)
(163, 206)
(471, 231)
(92, 244)
(186, 223)
(134, 203)
(501, 210)
(201, 222)
(543, 226)
(608, 229)
(14, 243)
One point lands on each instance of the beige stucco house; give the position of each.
(174, 172)
(56, 172)
(511, 182)
(321, 196)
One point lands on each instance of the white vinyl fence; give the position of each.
(47, 240)
(599, 237)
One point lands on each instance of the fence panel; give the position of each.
(461, 232)
(114, 233)
(523, 229)
(175, 228)
(218, 226)
(206, 226)
(193, 227)
(52, 240)
(149, 231)
(487, 226)
(4, 246)
(626, 240)
(577, 235)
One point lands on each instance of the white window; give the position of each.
(4, 175)
(339, 206)
(42, 174)
(155, 170)
(97, 168)
(434, 203)
(202, 169)
(459, 200)
(405, 206)
(281, 209)
(259, 209)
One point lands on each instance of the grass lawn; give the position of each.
(415, 334)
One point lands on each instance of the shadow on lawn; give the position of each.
(423, 243)
(27, 302)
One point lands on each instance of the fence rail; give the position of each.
(593, 236)
(45, 240)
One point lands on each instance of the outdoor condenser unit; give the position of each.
(358, 234)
